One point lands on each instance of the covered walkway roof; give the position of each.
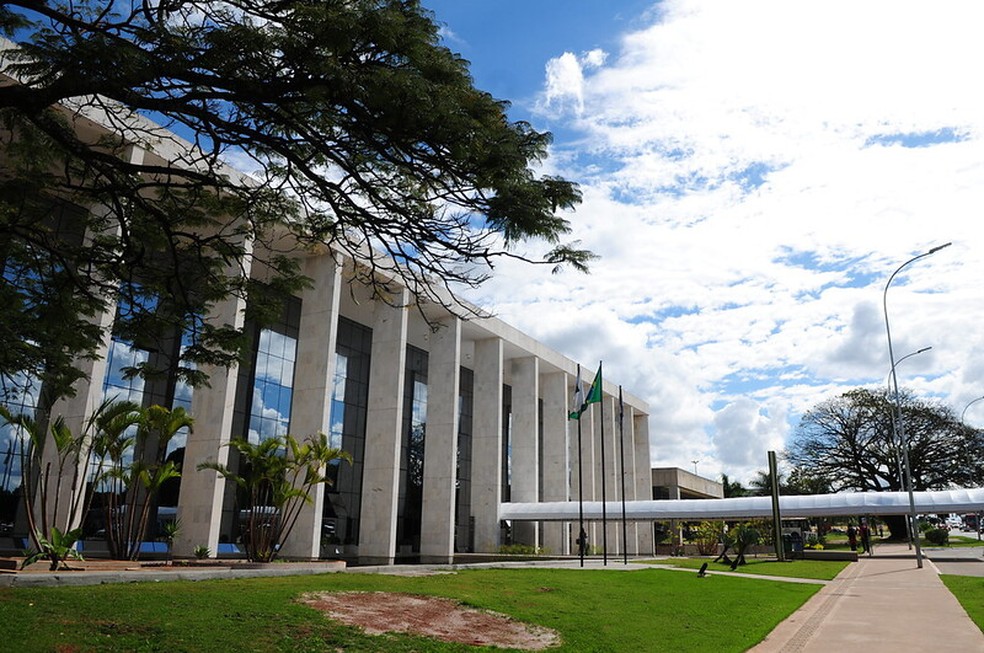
(811, 505)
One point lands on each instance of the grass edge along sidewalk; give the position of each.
(969, 592)
(596, 610)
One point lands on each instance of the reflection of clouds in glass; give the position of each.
(275, 357)
(419, 405)
(266, 421)
(19, 392)
(179, 440)
(10, 463)
(272, 387)
(116, 386)
(182, 395)
(336, 420)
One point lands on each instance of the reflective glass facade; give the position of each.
(273, 382)
(463, 527)
(349, 402)
(412, 453)
(263, 399)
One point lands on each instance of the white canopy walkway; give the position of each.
(812, 505)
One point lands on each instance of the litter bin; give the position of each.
(787, 545)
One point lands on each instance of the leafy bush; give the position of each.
(707, 535)
(662, 532)
(764, 531)
(520, 549)
(938, 536)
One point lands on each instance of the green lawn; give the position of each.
(969, 590)
(645, 610)
(960, 541)
(815, 569)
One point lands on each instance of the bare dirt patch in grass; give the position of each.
(380, 612)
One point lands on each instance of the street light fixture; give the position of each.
(898, 453)
(968, 406)
(898, 423)
(695, 466)
(888, 379)
(979, 514)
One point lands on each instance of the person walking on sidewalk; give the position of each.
(852, 536)
(865, 534)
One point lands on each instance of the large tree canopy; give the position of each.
(359, 130)
(849, 442)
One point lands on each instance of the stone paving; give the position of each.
(883, 603)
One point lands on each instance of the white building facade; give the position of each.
(445, 419)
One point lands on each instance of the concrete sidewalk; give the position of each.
(881, 603)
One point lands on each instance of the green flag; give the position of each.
(578, 402)
(594, 394)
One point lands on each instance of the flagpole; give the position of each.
(621, 450)
(580, 497)
(581, 544)
(604, 508)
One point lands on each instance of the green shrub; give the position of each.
(520, 549)
(707, 535)
(938, 536)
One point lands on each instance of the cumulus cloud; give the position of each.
(564, 86)
(744, 431)
(752, 174)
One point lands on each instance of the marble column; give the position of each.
(76, 412)
(313, 381)
(612, 471)
(630, 477)
(384, 425)
(212, 406)
(556, 467)
(486, 476)
(644, 477)
(64, 509)
(525, 443)
(601, 434)
(441, 448)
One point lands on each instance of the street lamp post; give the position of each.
(898, 452)
(899, 424)
(968, 406)
(979, 514)
(695, 466)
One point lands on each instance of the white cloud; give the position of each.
(750, 182)
(564, 86)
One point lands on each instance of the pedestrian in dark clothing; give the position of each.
(865, 534)
(852, 537)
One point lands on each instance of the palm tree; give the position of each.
(732, 488)
(131, 468)
(277, 475)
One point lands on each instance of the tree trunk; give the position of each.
(896, 527)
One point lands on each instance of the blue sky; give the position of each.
(752, 174)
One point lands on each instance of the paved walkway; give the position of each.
(882, 603)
